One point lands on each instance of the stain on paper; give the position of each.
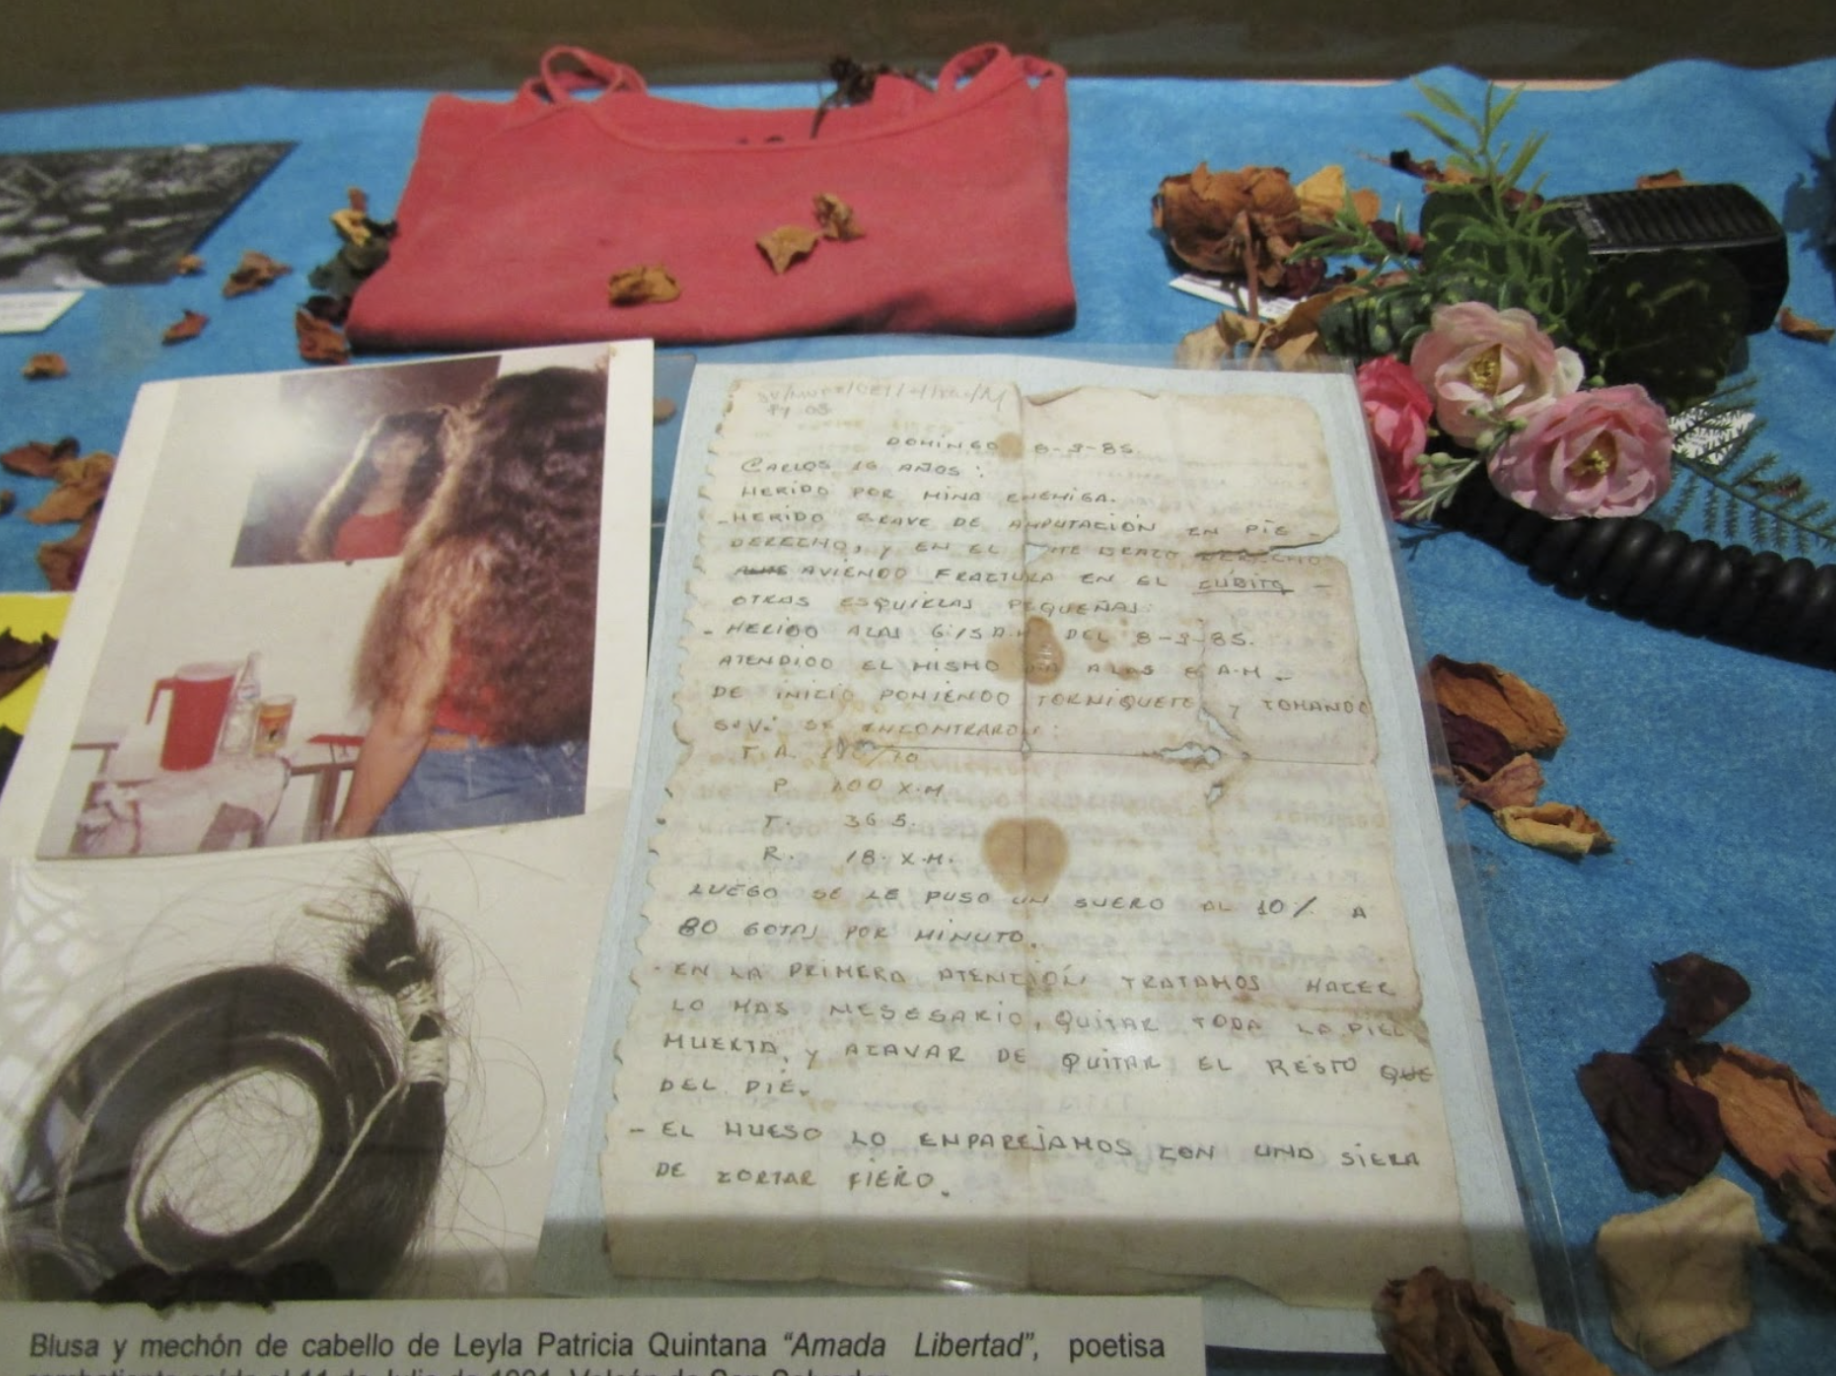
(1026, 855)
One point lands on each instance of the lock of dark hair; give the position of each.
(81, 1205)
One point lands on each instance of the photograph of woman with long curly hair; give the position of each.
(245, 698)
(477, 662)
(368, 512)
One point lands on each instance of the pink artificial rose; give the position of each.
(1396, 410)
(1485, 366)
(1599, 453)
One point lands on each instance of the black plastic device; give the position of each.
(1716, 217)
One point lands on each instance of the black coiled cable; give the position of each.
(1640, 569)
(79, 1212)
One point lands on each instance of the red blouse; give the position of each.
(371, 537)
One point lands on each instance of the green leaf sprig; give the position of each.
(1485, 237)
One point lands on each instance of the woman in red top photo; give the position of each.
(369, 510)
(477, 663)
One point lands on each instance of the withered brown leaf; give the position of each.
(1802, 327)
(1559, 827)
(255, 271)
(638, 286)
(787, 245)
(835, 218)
(319, 340)
(1524, 715)
(1673, 176)
(43, 367)
(188, 326)
(188, 265)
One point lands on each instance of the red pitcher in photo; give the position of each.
(200, 695)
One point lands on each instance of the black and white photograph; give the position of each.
(108, 217)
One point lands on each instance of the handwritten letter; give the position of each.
(1023, 909)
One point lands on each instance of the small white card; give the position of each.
(1273, 309)
(29, 312)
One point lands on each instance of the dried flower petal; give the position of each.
(1292, 339)
(1473, 745)
(188, 265)
(1524, 715)
(1559, 827)
(1208, 347)
(641, 285)
(1242, 223)
(1434, 1325)
(1517, 784)
(36, 459)
(40, 367)
(319, 340)
(189, 326)
(86, 471)
(61, 561)
(1664, 1133)
(81, 486)
(352, 220)
(1774, 1121)
(786, 245)
(1323, 196)
(1809, 1244)
(20, 659)
(835, 217)
(1699, 995)
(255, 271)
(353, 225)
(1677, 1273)
(1427, 169)
(1802, 327)
(17, 653)
(1672, 177)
